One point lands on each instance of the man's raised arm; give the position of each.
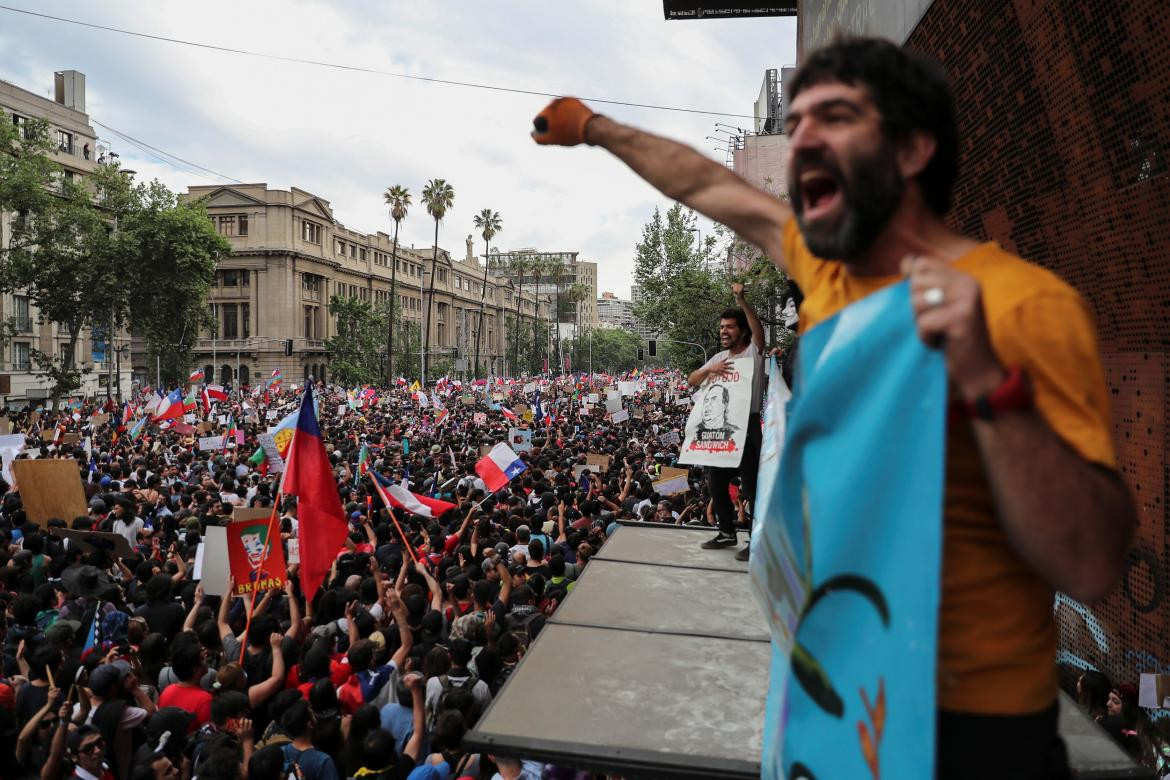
(677, 170)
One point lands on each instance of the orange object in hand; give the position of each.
(562, 122)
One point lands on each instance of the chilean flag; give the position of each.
(309, 476)
(401, 498)
(499, 467)
(171, 406)
(196, 376)
(509, 414)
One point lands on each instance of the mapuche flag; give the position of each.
(321, 520)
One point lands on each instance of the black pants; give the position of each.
(1004, 747)
(719, 478)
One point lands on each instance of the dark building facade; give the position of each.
(1064, 118)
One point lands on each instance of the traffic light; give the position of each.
(641, 355)
(653, 347)
(288, 347)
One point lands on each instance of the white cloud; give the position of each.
(346, 136)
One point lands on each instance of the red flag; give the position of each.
(321, 520)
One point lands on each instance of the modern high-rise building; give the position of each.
(558, 275)
(77, 150)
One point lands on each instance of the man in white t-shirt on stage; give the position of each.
(741, 336)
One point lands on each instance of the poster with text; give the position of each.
(717, 426)
(257, 562)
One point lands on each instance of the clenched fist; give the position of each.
(562, 122)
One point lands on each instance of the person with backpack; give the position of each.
(458, 679)
(301, 757)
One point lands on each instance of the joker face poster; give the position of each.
(256, 558)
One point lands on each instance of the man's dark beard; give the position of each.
(870, 195)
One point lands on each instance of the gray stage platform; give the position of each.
(656, 666)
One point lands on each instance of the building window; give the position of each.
(308, 322)
(66, 355)
(64, 142)
(442, 312)
(231, 279)
(21, 318)
(246, 318)
(20, 356)
(341, 247)
(245, 278)
(311, 232)
(242, 225)
(443, 275)
(362, 254)
(353, 251)
(230, 323)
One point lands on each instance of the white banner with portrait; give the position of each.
(717, 426)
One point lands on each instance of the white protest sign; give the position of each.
(294, 552)
(520, 439)
(271, 451)
(223, 419)
(211, 443)
(613, 405)
(620, 416)
(627, 388)
(594, 398)
(10, 447)
(529, 388)
(716, 429)
(614, 394)
(215, 561)
(189, 419)
(667, 439)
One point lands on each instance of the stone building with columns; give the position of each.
(290, 256)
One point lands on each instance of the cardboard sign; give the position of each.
(71, 438)
(484, 449)
(255, 553)
(620, 417)
(210, 443)
(528, 415)
(99, 419)
(597, 462)
(637, 414)
(667, 439)
(497, 396)
(204, 428)
(92, 541)
(213, 572)
(48, 434)
(671, 481)
(50, 488)
(578, 469)
(467, 400)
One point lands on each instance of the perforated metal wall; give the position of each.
(1064, 110)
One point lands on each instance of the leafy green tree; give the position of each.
(170, 250)
(489, 224)
(518, 265)
(355, 352)
(684, 286)
(397, 198)
(438, 196)
(610, 350)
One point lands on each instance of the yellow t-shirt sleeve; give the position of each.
(1052, 338)
(796, 254)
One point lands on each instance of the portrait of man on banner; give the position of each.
(716, 430)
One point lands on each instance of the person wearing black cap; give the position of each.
(113, 686)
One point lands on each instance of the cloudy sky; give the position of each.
(346, 136)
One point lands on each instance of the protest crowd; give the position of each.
(120, 663)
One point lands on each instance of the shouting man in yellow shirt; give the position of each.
(1033, 500)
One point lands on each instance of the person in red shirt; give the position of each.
(189, 666)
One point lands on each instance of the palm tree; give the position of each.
(518, 265)
(438, 196)
(489, 223)
(538, 266)
(398, 199)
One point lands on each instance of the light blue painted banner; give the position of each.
(848, 550)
